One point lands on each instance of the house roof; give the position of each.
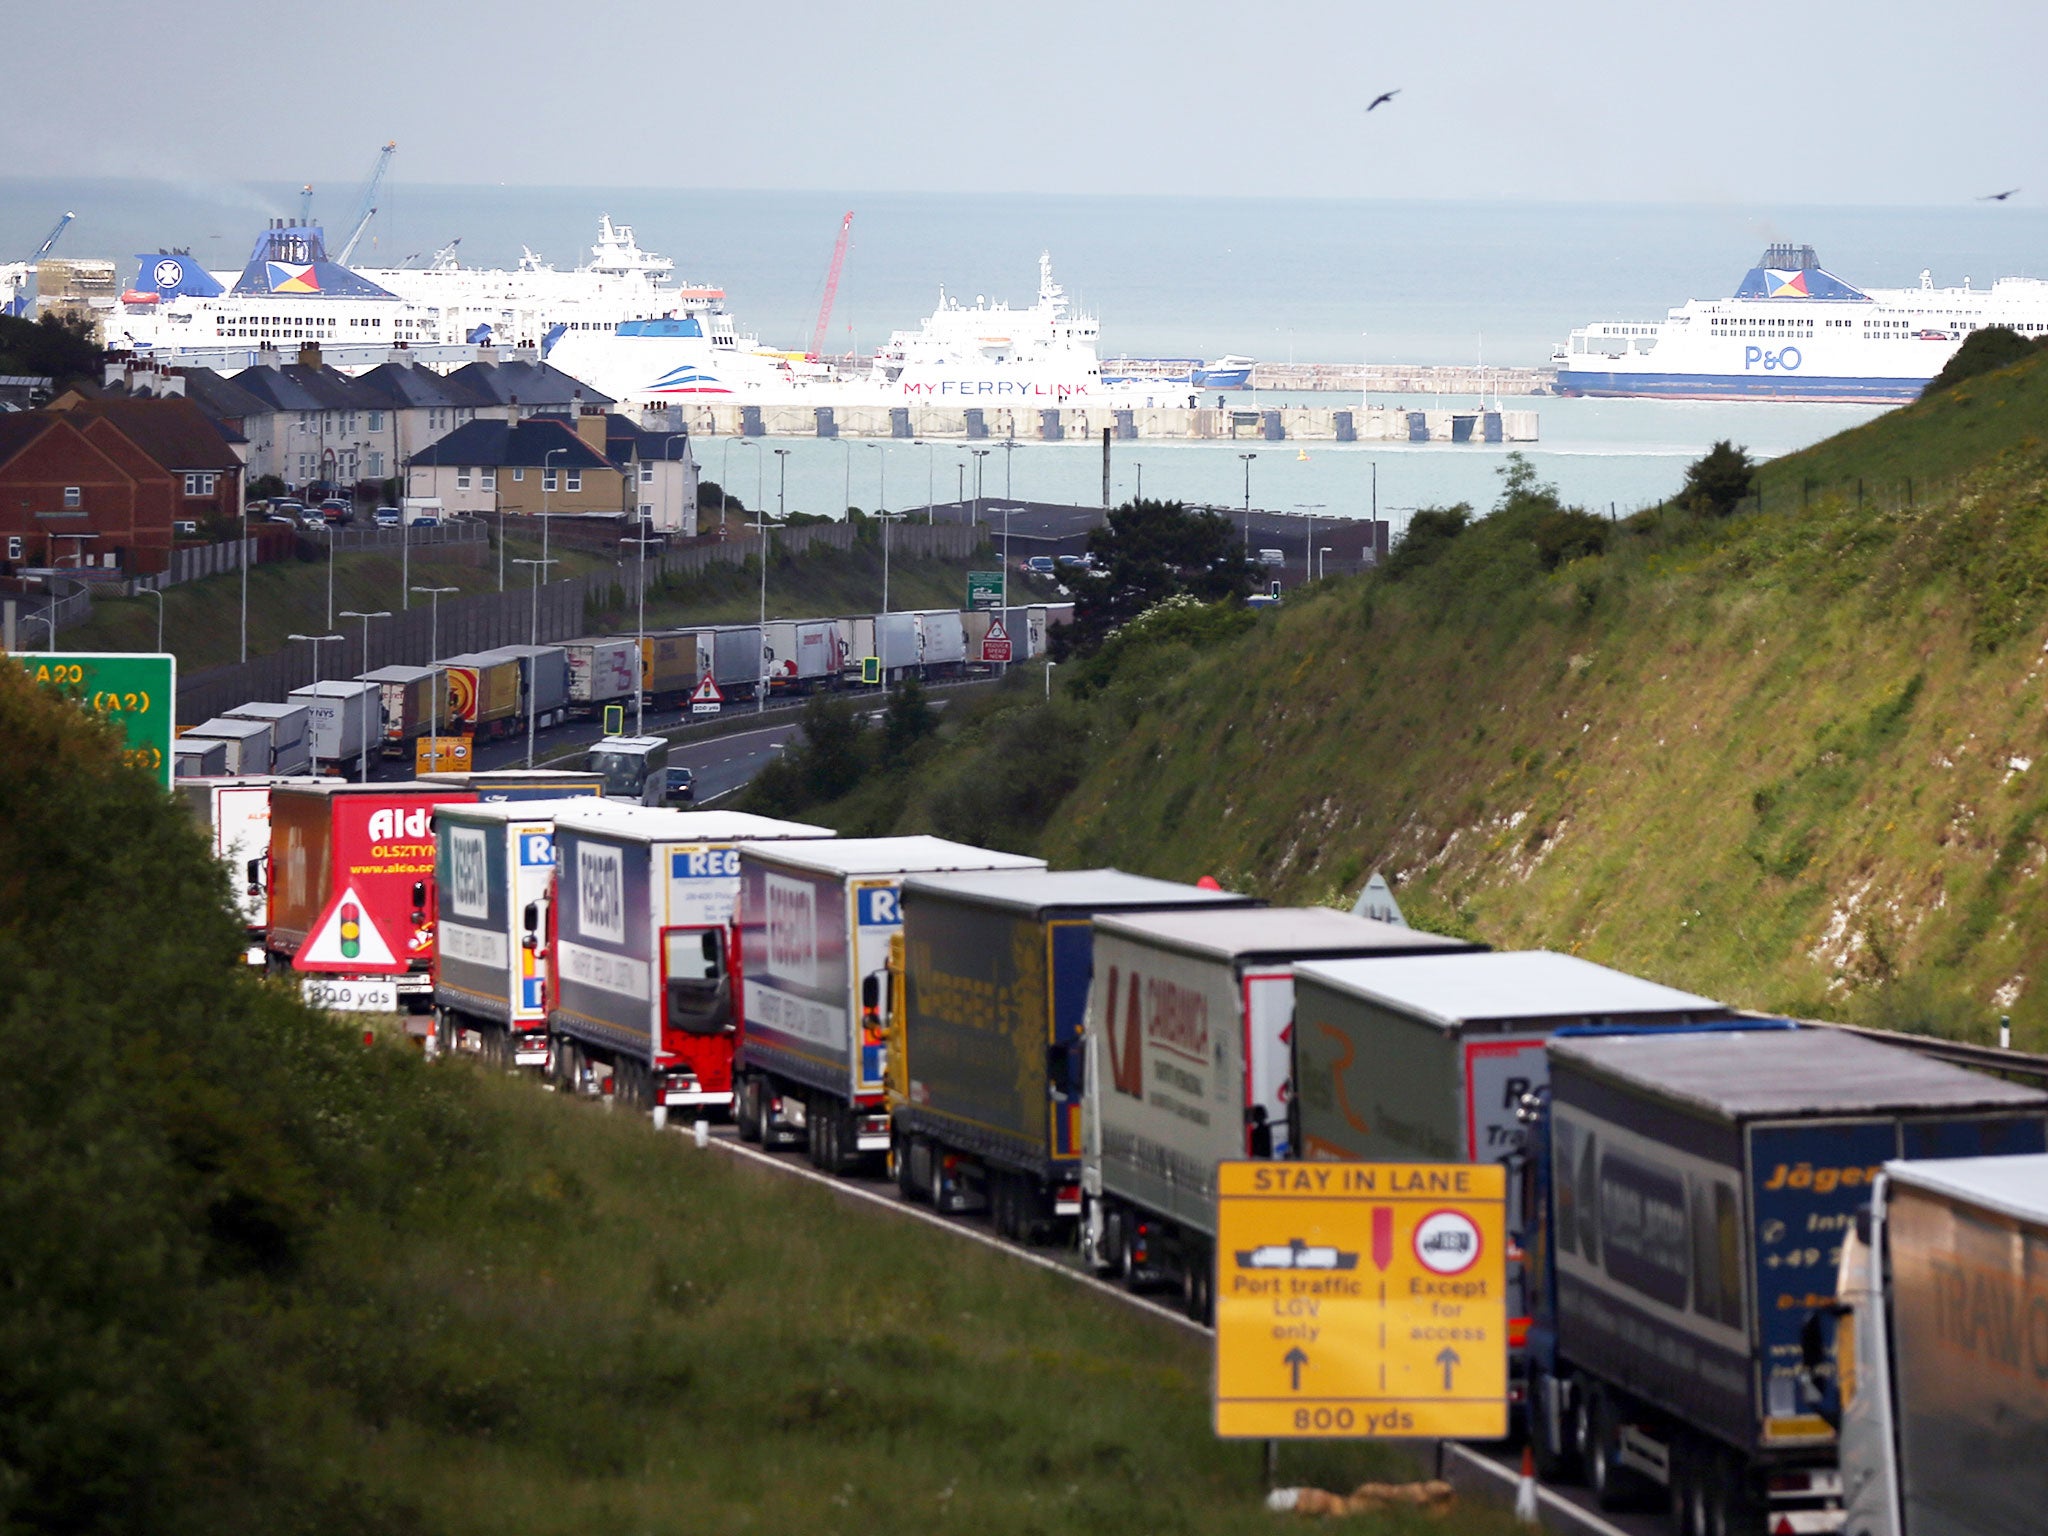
(531, 384)
(221, 397)
(524, 444)
(626, 439)
(173, 431)
(20, 428)
(402, 385)
(296, 387)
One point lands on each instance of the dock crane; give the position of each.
(18, 278)
(366, 209)
(831, 289)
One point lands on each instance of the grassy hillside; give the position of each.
(263, 1278)
(815, 583)
(1794, 758)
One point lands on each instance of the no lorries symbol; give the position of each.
(995, 645)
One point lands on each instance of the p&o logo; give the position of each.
(1784, 360)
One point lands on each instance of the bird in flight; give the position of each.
(1988, 197)
(1386, 96)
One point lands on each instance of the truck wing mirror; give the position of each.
(710, 946)
(255, 876)
(531, 918)
(419, 893)
(871, 992)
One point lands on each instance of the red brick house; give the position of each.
(106, 483)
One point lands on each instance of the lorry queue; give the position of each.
(1075, 1051)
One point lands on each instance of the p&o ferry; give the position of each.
(1795, 331)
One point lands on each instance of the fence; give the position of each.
(487, 620)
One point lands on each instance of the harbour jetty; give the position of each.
(1241, 420)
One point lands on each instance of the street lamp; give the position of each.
(157, 593)
(979, 455)
(882, 511)
(1322, 564)
(242, 559)
(931, 470)
(434, 644)
(1308, 547)
(782, 480)
(1009, 446)
(846, 494)
(544, 505)
(47, 622)
(316, 641)
(363, 772)
(761, 666)
(532, 662)
(1141, 480)
(640, 636)
(1247, 457)
(330, 530)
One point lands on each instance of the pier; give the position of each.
(1406, 379)
(1083, 424)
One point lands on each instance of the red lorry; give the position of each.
(351, 904)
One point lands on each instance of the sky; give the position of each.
(1880, 102)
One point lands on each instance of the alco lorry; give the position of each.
(1190, 1063)
(645, 977)
(1689, 1193)
(814, 928)
(350, 908)
(987, 1065)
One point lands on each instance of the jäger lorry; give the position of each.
(350, 910)
(493, 868)
(645, 978)
(815, 923)
(1190, 1063)
(1428, 1060)
(1689, 1191)
(987, 1065)
(1939, 1368)
(485, 696)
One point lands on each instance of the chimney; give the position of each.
(590, 427)
(400, 356)
(309, 355)
(512, 408)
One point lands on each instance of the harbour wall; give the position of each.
(1353, 424)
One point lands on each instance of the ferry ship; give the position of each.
(970, 355)
(1795, 331)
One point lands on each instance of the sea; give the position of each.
(1294, 279)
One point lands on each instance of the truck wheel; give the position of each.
(1002, 1210)
(1730, 1504)
(899, 1154)
(1109, 1257)
(834, 1132)
(1688, 1509)
(764, 1114)
(746, 1108)
(1614, 1486)
(1195, 1282)
(1550, 1445)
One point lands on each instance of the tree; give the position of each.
(909, 720)
(61, 349)
(1148, 551)
(1429, 533)
(1984, 351)
(1718, 482)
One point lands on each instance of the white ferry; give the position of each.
(968, 355)
(1795, 331)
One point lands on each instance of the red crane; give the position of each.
(831, 289)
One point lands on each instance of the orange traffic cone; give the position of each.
(1525, 1491)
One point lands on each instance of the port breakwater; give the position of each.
(1273, 424)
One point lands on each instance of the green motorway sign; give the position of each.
(138, 692)
(984, 589)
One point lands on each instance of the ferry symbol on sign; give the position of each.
(995, 645)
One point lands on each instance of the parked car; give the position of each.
(1077, 562)
(682, 787)
(336, 510)
(1039, 565)
(387, 517)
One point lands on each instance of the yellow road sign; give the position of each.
(1361, 1300)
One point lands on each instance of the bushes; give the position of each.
(1984, 351)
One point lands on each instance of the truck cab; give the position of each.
(635, 768)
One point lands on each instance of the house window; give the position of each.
(647, 472)
(518, 475)
(462, 478)
(376, 465)
(490, 478)
(71, 496)
(376, 421)
(199, 483)
(575, 479)
(14, 546)
(646, 511)
(549, 478)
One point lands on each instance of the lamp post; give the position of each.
(316, 641)
(532, 693)
(882, 511)
(640, 637)
(979, 455)
(846, 494)
(363, 770)
(931, 470)
(242, 559)
(544, 507)
(157, 593)
(1308, 547)
(1322, 563)
(782, 480)
(761, 666)
(47, 622)
(434, 644)
(1247, 457)
(1140, 468)
(1009, 447)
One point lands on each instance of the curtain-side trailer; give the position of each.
(988, 1062)
(643, 964)
(815, 921)
(1190, 1063)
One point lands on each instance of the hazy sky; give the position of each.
(1802, 101)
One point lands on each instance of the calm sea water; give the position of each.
(1312, 280)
